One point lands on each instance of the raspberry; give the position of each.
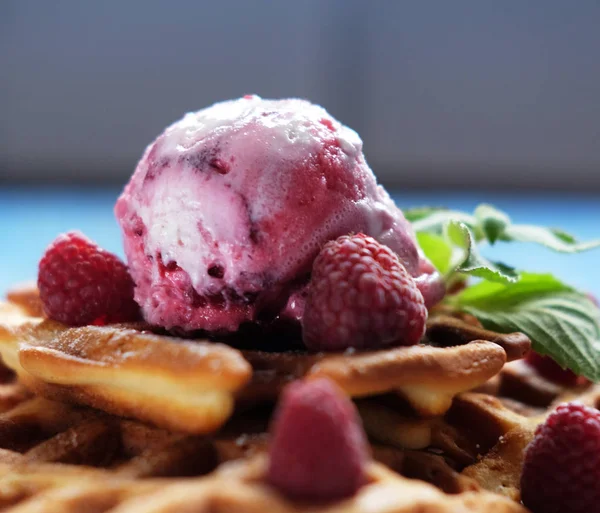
(361, 296)
(318, 447)
(80, 283)
(549, 369)
(562, 464)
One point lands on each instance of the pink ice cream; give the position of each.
(229, 206)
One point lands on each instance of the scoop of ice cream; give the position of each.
(229, 206)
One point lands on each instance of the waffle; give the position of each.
(192, 385)
(51, 451)
(122, 370)
(66, 458)
(435, 446)
(482, 437)
(524, 400)
(385, 491)
(428, 377)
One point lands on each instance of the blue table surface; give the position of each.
(30, 218)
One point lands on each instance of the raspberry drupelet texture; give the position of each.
(80, 283)
(361, 296)
(549, 369)
(318, 447)
(561, 472)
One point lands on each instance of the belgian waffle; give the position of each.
(65, 458)
(192, 385)
(524, 400)
(61, 451)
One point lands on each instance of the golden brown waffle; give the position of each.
(61, 457)
(503, 426)
(191, 385)
(67, 459)
(58, 456)
(521, 381)
(428, 377)
(482, 437)
(174, 383)
(240, 487)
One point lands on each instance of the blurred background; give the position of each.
(500, 98)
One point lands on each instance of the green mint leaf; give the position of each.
(437, 249)
(560, 321)
(493, 222)
(494, 294)
(470, 261)
(551, 238)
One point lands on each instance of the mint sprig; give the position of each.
(490, 224)
(450, 240)
(560, 321)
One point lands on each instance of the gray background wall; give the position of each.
(463, 92)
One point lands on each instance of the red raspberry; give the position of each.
(561, 472)
(361, 296)
(549, 369)
(80, 283)
(318, 447)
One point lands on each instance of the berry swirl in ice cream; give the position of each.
(229, 206)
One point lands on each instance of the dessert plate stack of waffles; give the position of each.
(117, 418)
